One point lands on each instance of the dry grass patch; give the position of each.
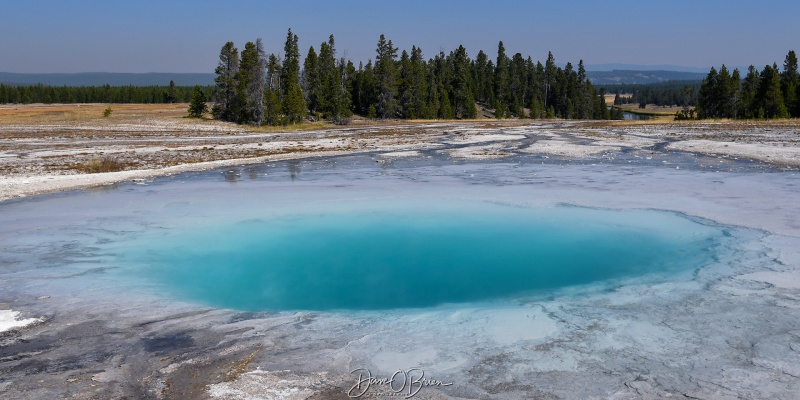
(305, 126)
(105, 164)
(66, 113)
(651, 109)
(659, 121)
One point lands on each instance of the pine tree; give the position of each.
(404, 87)
(434, 95)
(171, 93)
(531, 90)
(386, 74)
(483, 78)
(790, 84)
(294, 108)
(366, 89)
(584, 94)
(419, 84)
(708, 103)
(445, 108)
(225, 107)
(311, 82)
(516, 85)
(225, 100)
(250, 84)
(501, 77)
(341, 100)
(735, 92)
(197, 106)
(463, 101)
(723, 94)
(293, 102)
(571, 91)
(770, 97)
(536, 105)
(328, 77)
(537, 108)
(748, 107)
(272, 96)
(550, 81)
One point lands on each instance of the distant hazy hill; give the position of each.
(645, 67)
(111, 78)
(184, 79)
(630, 76)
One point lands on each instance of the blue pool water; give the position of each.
(373, 255)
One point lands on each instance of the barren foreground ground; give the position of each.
(70, 327)
(45, 148)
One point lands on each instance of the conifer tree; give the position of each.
(341, 97)
(516, 86)
(272, 97)
(445, 108)
(747, 99)
(483, 78)
(328, 77)
(419, 84)
(550, 81)
(311, 82)
(501, 81)
(386, 74)
(723, 94)
(530, 85)
(404, 86)
(250, 84)
(171, 93)
(707, 102)
(734, 91)
(197, 105)
(770, 97)
(225, 107)
(463, 101)
(536, 105)
(434, 95)
(366, 89)
(571, 92)
(790, 84)
(584, 94)
(294, 105)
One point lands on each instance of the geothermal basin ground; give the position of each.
(683, 245)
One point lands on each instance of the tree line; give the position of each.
(768, 94)
(255, 88)
(27, 94)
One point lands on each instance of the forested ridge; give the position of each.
(26, 94)
(771, 93)
(253, 87)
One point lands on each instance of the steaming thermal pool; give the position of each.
(508, 280)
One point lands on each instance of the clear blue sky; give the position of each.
(185, 36)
